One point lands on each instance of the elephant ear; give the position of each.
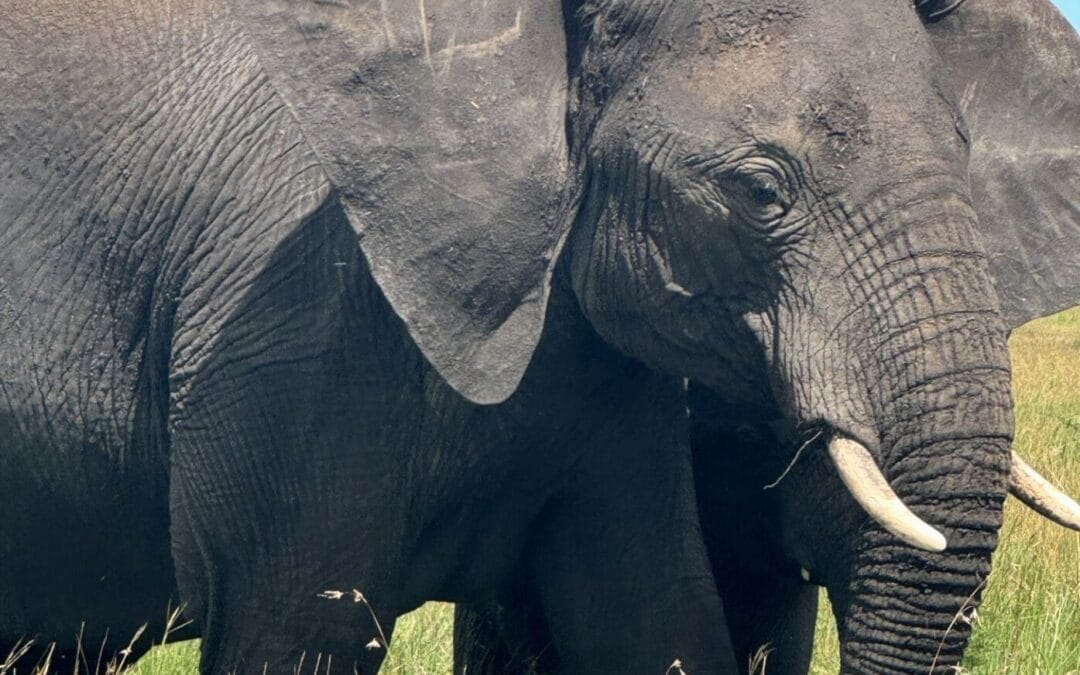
(1014, 67)
(441, 125)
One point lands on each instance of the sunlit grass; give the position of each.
(181, 658)
(423, 642)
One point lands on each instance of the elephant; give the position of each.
(897, 610)
(285, 340)
(303, 297)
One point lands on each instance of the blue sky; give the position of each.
(1071, 10)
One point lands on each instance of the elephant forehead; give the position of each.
(838, 94)
(763, 99)
(739, 50)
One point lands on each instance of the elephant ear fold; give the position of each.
(1014, 67)
(441, 125)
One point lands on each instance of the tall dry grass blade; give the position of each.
(760, 660)
(44, 666)
(18, 651)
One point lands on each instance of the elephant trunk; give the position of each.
(932, 367)
(906, 610)
(940, 396)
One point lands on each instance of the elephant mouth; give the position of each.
(871, 490)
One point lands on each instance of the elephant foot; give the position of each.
(493, 640)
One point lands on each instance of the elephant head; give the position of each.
(831, 209)
(825, 210)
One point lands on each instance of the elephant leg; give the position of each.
(287, 544)
(289, 461)
(286, 569)
(771, 622)
(617, 557)
(284, 606)
(493, 639)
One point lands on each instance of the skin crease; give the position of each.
(820, 264)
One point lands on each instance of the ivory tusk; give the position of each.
(868, 486)
(1041, 496)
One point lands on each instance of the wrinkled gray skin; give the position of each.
(772, 198)
(861, 301)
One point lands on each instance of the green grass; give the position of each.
(423, 642)
(1030, 620)
(181, 658)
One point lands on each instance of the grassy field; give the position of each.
(1030, 621)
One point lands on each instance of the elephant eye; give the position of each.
(768, 200)
(757, 187)
(765, 191)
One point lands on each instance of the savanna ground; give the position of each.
(1030, 619)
